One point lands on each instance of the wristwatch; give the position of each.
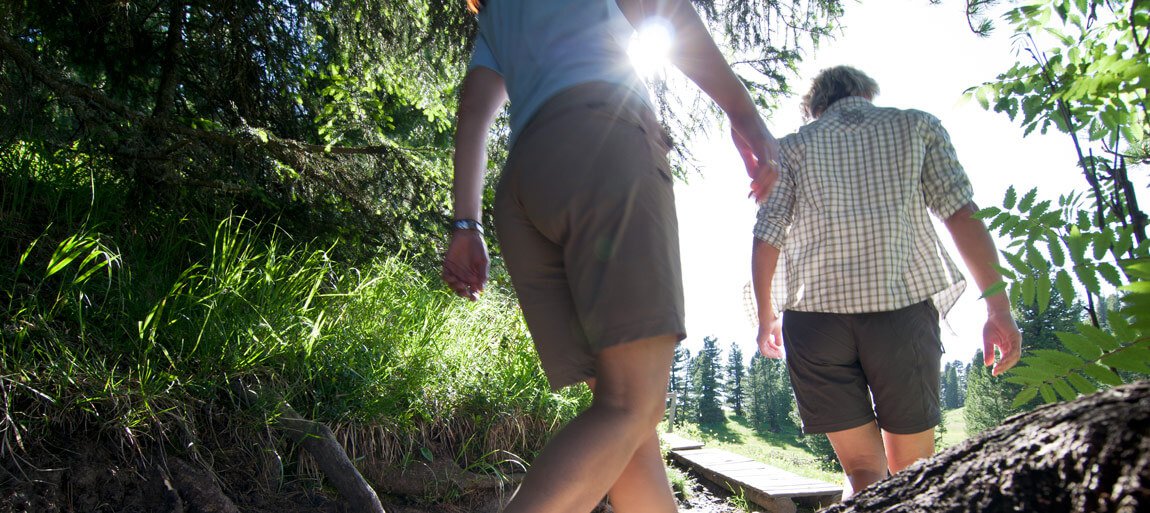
(467, 224)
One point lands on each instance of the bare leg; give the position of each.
(643, 487)
(904, 450)
(861, 453)
(588, 456)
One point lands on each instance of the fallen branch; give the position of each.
(319, 441)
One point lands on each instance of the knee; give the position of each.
(864, 465)
(639, 413)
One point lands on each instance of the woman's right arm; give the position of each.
(694, 52)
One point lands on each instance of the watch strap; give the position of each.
(467, 224)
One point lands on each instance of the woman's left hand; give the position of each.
(466, 264)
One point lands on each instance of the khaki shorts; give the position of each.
(585, 216)
(838, 362)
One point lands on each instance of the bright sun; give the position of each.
(651, 47)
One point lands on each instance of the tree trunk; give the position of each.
(1091, 454)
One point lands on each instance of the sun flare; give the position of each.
(650, 49)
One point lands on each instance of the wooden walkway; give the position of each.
(774, 489)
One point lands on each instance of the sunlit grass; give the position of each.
(782, 450)
(137, 329)
(955, 428)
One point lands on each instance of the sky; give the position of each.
(923, 56)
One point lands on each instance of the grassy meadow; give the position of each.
(785, 450)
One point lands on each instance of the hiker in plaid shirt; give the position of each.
(864, 277)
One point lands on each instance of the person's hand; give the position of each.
(760, 153)
(466, 264)
(1001, 332)
(770, 337)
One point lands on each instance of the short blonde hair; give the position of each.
(834, 84)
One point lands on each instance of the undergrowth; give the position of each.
(133, 324)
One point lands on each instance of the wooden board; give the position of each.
(678, 443)
(767, 486)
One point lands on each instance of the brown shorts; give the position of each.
(585, 216)
(839, 362)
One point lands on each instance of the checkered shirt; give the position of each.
(849, 212)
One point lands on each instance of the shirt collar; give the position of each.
(848, 103)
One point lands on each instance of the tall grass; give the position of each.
(135, 328)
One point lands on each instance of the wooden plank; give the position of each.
(765, 485)
(679, 443)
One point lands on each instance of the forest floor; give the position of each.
(91, 483)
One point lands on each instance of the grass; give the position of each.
(955, 428)
(133, 328)
(782, 450)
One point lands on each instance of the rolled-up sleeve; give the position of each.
(777, 211)
(481, 56)
(944, 182)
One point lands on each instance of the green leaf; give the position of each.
(1009, 226)
(1079, 345)
(1110, 273)
(1125, 241)
(1100, 338)
(1065, 285)
(1054, 246)
(1083, 223)
(427, 454)
(1028, 200)
(1028, 290)
(1120, 326)
(1064, 390)
(997, 287)
(1088, 278)
(998, 221)
(1081, 384)
(1139, 268)
(1011, 195)
(1132, 359)
(1101, 245)
(1042, 289)
(1038, 264)
(1016, 262)
(1058, 360)
(1103, 374)
(1039, 210)
(987, 213)
(1076, 243)
(1006, 273)
(1024, 397)
(1048, 395)
(1032, 370)
(1024, 381)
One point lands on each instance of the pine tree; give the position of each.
(771, 398)
(734, 382)
(680, 383)
(705, 378)
(949, 390)
(960, 371)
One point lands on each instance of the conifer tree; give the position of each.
(735, 373)
(680, 383)
(707, 384)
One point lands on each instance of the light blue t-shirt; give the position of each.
(542, 47)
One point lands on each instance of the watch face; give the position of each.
(467, 224)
